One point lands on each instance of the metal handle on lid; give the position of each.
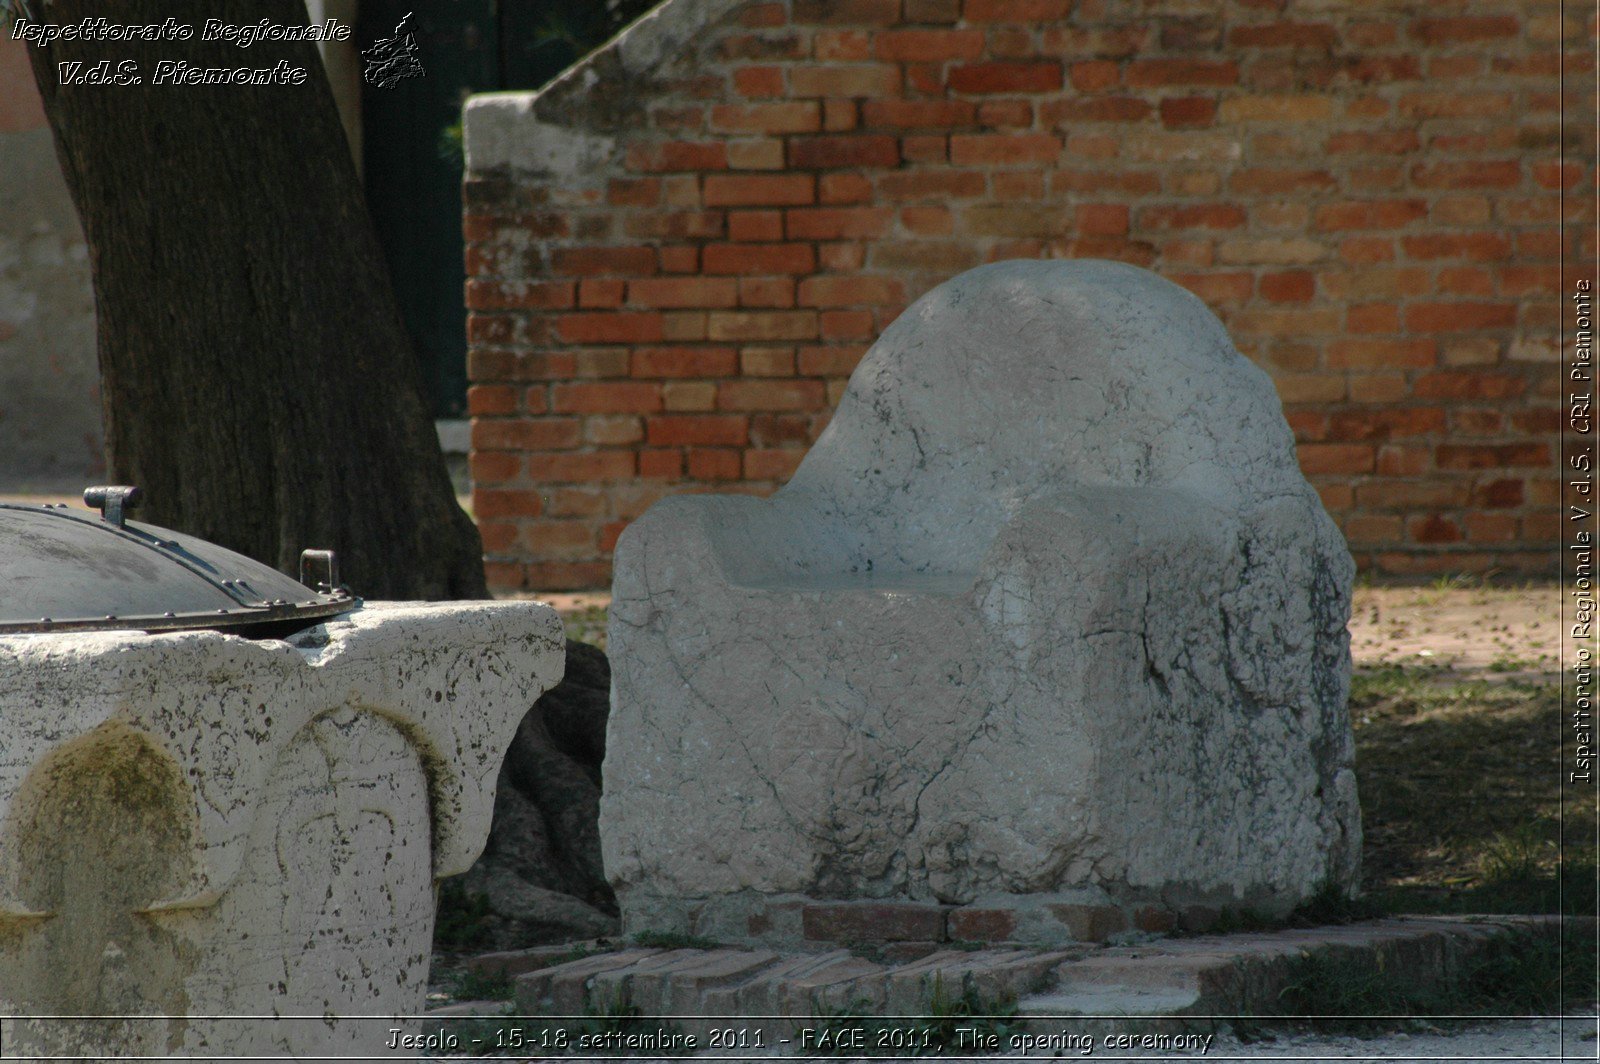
(113, 500)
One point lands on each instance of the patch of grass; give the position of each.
(586, 625)
(608, 1022)
(1461, 795)
(674, 940)
(462, 921)
(476, 986)
(851, 1032)
(1517, 974)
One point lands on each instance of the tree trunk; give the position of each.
(256, 378)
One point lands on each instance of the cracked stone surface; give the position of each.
(1048, 607)
(196, 824)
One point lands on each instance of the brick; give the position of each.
(1182, 112)
(683, 292)
(755, 225)
(840, 257)
(872, 922)
(582, 467)
(759, 259)
(767, 362)
(771, 395)
(1369, 214)
(851, 291)
(759, 190)
(677, 155)
(1492, 456)
(1433, 529)
(847, 12)
(843, 188)
(790, 116)
(842, 46)
(996, 149)
(1372, 318)
(1217, 288)
(1280, 181)
(928, 46)
(600, 294)
(762, 325)
(712, 463)
(1373, 353)
(1276, 109)
(934, 185)
(1198, 216)
(1015, 11)
(1090, 923)
(628, 261)
(763, 153)
(610, 397)
(1318, 458)
(1380, 424)
(1464, 28)
(524, 435)
(1459, 317)
(1062, 114)
(918, 114)
(683, 325)
(758, 81)
(831, 361)
(1284, 35)
(1095, 75)
(854, 151)
(1382, 142)
(931, 148)
(1016, 220)
(1157, 73)
(682, 361)
(837, 223)
(1101, 218)
(772, 464)
(774, 430)
(508, 575)
(969, 923)
(494, 467)
(1479, 174)
(567, 576)
(490, 503)
(667, 430)
(866, 79)
(840, 115)
(679, 260)
(844, 324)
(491, 399)
(667, 463)
(924, 221)
(1468, 385)
(1475, 246)
(1292, 286)
(620, 327)
(1276, 251)
(766, 292)
(1002, 77)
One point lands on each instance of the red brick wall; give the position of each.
(1368, 195)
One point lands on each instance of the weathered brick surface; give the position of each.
(870, 921)
(1369, 199)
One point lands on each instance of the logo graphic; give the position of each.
(390, 60)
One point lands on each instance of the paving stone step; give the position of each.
(1165, 984)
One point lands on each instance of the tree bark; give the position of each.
(256, 378)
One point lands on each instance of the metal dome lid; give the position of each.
(66, 570)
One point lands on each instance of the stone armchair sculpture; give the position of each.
(1048, 610)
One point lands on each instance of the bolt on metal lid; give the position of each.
(67, 570)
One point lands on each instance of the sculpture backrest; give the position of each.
(1018, 380)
